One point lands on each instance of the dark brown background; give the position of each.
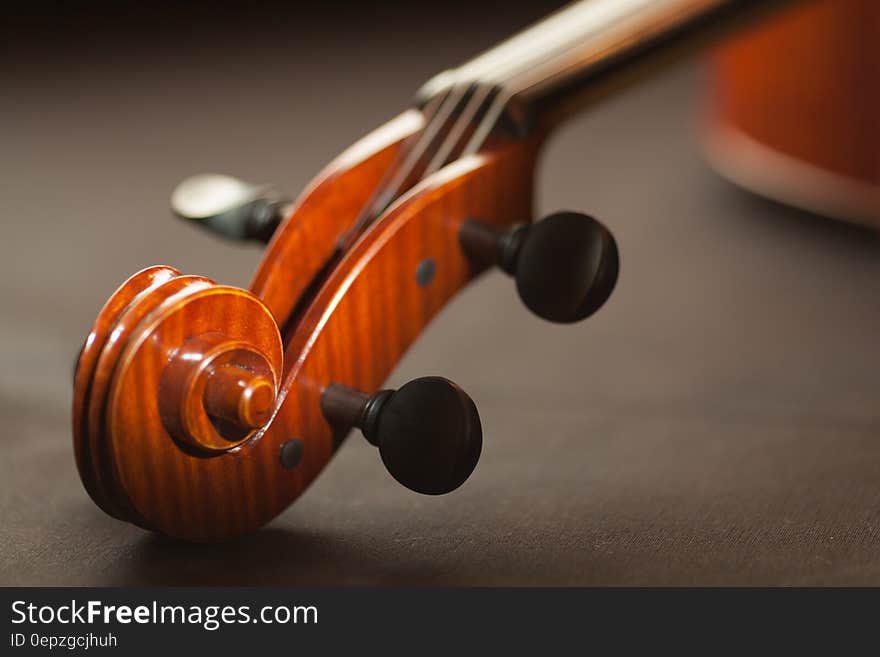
(716, 423)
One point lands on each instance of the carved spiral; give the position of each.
(175, 359)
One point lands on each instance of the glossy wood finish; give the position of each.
(238, 395)
(129, 319)
(94, 368)
(154, 470)
(301, 245)
(307, 238)
(795, 105)
(216, 387)
(148, 461)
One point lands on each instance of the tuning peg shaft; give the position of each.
(428, 431)
(229, 207)
(565, 265)
(239, 396)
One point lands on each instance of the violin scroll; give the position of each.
(202, 411)
(174, 364)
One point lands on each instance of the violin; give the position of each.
(201, 411)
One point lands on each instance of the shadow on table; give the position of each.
(271, 557)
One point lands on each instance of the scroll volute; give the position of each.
(202, 367)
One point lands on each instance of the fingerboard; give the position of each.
(589, 47)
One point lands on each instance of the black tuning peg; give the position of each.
(428, 431)
(229, 207)
(565, 265)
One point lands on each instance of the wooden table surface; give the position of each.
(716, 423)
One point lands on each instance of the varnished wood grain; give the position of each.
(178, 489)
(214, 390)
(162, 473)
(329, 205)
(301, 246)
(239, 395)
(804, 86)
(91, 380)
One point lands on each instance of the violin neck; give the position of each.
(587, 49)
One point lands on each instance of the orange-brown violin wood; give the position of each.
(238, 395)
(170, 443)
(308, 237)
(795, 107)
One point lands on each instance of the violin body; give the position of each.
(794, 105)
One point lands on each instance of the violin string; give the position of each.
(487, 124)
(440, 110)
(453, 137)
(501, 64)
(434, 127)
(437, 110)
(496, 69)
(509, 70)
(444, 112)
